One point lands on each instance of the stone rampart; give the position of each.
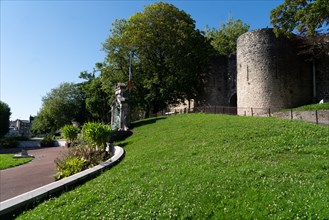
(270, 74)
(220, 83)
(322, 78)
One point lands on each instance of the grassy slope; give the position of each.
(208, 166)
(323, 106)
(7, 161)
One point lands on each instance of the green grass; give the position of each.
(7, 161)
(323, 106)
(199, 166)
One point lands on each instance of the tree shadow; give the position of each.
(117, 136)
(146, 122)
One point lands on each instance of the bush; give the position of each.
(96, 134)
(77, 159)
(70, 133)
(8, 142)
(69, 166)
(47, 141)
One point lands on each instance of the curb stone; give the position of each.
(19, 202)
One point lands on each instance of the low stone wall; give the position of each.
(319, 116)
(33, 197)
(34, 144)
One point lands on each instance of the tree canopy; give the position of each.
(169, 56)
(308, 17)
(59, 107)
(4, 118)
(97, 96)
(224, 40)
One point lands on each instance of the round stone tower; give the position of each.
(270, 73)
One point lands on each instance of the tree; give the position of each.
(310, 17)
(62, 105)
(224, 40)
(169, 56)
(4, 118)
(97, 95)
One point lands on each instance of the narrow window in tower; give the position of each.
(247, 73)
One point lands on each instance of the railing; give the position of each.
(313, 116)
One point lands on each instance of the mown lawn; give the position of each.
(200, 166)
(323, 106)
(7, 161)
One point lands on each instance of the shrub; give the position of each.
(70, 133)
(96, 134)
(78, 159)
(47, 141)
(8, 142)
(69, 166)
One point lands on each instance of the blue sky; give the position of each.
(45, 43)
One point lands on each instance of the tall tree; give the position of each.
(309, 17)
(4, 118)
(60, 106)
(169, 56)
(97, 94)
(224, 40)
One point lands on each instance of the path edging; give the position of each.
(10, 205)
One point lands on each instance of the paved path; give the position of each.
(17, 180)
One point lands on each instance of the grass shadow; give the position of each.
(117, 136)
(146, 122)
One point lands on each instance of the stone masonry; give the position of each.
(268, 73)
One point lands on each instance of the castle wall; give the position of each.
(270, 74)
(220, 83)
(322, 78)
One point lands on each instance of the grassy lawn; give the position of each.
(199, 166)
(7, 161)
(323, 106)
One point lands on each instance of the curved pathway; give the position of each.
(39, 172)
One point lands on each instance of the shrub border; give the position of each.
(25, 200)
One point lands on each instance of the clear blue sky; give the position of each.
(45, 43)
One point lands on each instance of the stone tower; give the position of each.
(270, 73)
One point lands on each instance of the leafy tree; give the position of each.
(224, 39)
(4, 118)
(62, 105)
(97, 95)
(306, 16)
(310, 18)
(169, 56)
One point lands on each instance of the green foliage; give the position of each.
(7, 161)
(96, 134)
(98, 96)
(70, 133)
(224, 40)
(47, 141)
(203, 166)
(4, 118)
(169, 56)
(78, 159)
(310, 17)
(59, 107)
(69, 166)
(8, 142)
